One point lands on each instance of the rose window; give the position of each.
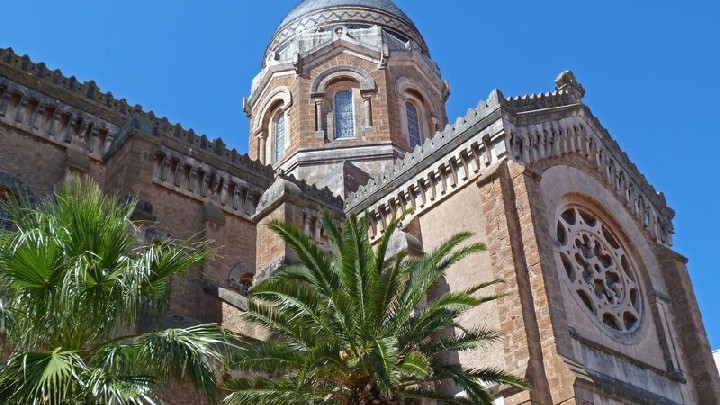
(599, 270)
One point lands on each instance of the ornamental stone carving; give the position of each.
(598, 270)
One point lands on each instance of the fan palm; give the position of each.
(351, 326)
(74, 274)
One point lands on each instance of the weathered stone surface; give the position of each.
(506, 171)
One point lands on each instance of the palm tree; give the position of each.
(74, 274)
(351, 326)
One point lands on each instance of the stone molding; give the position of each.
(404, 84)
(197, 179)
(676, 376)
(281, 93)
(73, 114)
(367, 84)
(523, 133)
(35, 113)
(286, 188)
(582, 134)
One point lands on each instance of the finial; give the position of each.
(566, 81)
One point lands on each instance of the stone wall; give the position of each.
(301, 81)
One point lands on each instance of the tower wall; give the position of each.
(300, 82)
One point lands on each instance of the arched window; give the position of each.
(280, 130)
(413, 124)
(344, 117)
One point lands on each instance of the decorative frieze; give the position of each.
(441, 165)
(196, 179)
(35, 113)
(67, 112)
(516, 129)
(581, 134)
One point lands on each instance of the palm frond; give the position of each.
(184, 355)
(269, 356)
(416, 365)
(105, 388)
(39, 377)
(384, 355)
(351, 324)
(269, 391)
(471, 340)
(309, 253)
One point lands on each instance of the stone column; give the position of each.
(367, 113)
(261, 144)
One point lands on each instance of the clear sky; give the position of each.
(651, 70)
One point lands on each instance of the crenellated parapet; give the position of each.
(75, 115)
(86, 95)
(36, 113)
(452, 158)
(518, 129)
(568, 92)
(582, 134)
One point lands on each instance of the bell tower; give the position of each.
(346, 87)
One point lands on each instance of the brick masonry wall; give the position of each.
(387, 110)
(527, 331)
(701, 368)
(464, 212)
(39, 165)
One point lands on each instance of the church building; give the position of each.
(347, 114)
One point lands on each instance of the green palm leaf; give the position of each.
(351, 326)
(37, 377)
(76, 272)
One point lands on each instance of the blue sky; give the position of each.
(651, 70)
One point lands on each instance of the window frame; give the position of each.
(277, 154)
(409, 103)
(336, 119)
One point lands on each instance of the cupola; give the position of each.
(346, 88)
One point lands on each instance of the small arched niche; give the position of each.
(241, 277)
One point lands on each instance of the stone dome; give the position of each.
(315, 15)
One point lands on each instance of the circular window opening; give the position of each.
(598, 270)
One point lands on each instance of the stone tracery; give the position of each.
(598, 270)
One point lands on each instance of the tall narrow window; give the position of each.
(344, 119)
(280, 137)
(413, 124)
